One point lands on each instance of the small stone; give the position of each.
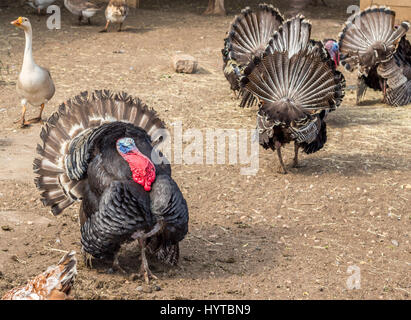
(184, 63)
(140, 289)
(147, 289)
(395, 243)
(157, 288)
(6, 228)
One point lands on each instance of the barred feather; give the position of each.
(293, 36)
(367, 31)
(305, 79)
(68, 135)
(248, 36)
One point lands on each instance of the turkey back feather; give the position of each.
(68, 136)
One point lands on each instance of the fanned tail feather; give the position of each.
(250, 32)
(66, 136)
(369, 30)
(293, 36)
(247, 38)
(304, 79)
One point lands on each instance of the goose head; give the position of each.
(22, 23)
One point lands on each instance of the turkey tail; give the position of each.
(366, 31)
(68, 135)
(163, 250)
(250, 32)
(306, 80)
(320, 137)
(248, 36)
(293, 36)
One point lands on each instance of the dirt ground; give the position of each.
(268, 236)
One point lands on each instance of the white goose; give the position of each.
(40, 4)
(35, 85)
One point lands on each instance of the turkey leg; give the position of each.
(281, 168)
(141, 236)
(145, 270)
(296, 148)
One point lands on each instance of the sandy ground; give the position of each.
(268, 236)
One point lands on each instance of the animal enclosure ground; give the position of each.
(268, 236)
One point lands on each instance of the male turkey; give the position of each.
(248, 37)
(98, 148)
(297, 84)
(372, 43)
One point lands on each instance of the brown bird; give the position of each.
(53, 284)
(116, 12)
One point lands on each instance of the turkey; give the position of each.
(297, 84)
(370, 42)
(247, 38)
(53, 284)
(98, 148)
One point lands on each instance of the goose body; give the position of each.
(34, 85)
(81, 8)
(40, 4)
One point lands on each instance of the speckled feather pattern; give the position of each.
(53, 284)
(248, 36)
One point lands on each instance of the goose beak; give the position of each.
(17, 22)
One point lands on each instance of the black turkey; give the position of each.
(98, 149)
(372, 43)
(248, 36)
(297, 84)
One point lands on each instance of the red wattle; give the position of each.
(142, 169)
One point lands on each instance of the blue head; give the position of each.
(334, 50)
(126, 145)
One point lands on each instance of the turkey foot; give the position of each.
(87, 260)
(295, 162)
(281, 168)
(116, 264)
(145, 270)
